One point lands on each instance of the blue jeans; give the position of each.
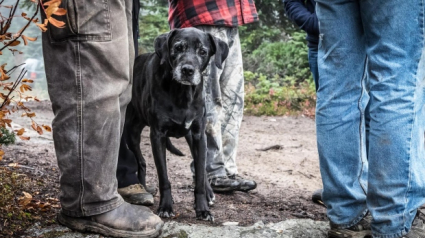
(312, 61)
(371, 60)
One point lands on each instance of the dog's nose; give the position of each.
(188, 70)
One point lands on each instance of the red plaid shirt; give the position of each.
(187, 13)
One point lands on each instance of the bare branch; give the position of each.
(23, 29)
(15, 85)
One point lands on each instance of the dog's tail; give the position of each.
(172, 149)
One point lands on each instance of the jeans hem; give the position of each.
(397, 235)
(94, 211)
(354, 222)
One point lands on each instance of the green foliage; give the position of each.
(6, 137)
(282, 58)
(153, 22)
(255, 34)
(278, 96)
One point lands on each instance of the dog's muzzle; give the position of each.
(187, 75)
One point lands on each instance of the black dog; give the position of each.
(169, 97)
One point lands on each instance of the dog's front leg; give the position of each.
(158, 141)
(199, 152)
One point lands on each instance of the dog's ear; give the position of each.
(220, 49)
(159, 43)
(162, 44)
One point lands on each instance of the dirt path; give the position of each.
(286, 175)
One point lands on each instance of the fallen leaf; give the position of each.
(1, 154)
(25, 200)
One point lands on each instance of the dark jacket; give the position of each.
(302, 13)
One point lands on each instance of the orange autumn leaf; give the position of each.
(60, 12)
(56, 23)
(29, 114)
(14, 43)
(1, 154)
(20, 132)
(39, 130)
(42, 27)
(27, 80)
(24, 138)
(47, 128)
(26, 39)
(52, 7)
(34, 126)
(25, 87)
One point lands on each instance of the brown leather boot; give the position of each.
(136, 194)
(126, 220)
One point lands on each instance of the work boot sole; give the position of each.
(138, 201)
(349, 234)
(247, 188)
(83, 225)
(224, 189)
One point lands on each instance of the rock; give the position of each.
(230, 223)
(294, 228)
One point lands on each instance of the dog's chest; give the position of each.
(179, 122)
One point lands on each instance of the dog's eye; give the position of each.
(179, 48)
(202, 52)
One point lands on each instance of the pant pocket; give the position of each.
(85, 21)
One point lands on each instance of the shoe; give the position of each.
(418, 226)
(245, 184)
(124, 221)
(224, 184)
(316, 197)
(361, 229)
(136, 194)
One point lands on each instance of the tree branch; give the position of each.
(23, 29)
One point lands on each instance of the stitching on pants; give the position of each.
(362, 121)
(80, 124)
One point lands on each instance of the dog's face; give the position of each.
(188, 52)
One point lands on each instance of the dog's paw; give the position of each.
(165, 213)
(209, 194)
(211, 200)
(204, 215)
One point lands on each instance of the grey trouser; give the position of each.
(89, 66)
(224, 104)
